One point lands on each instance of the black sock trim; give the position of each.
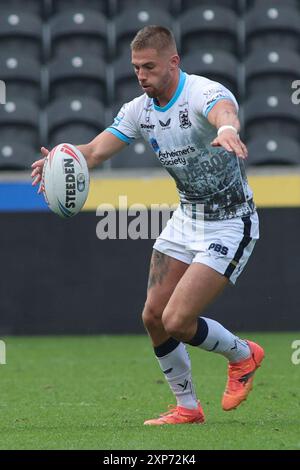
(167, 347)
(201, 333)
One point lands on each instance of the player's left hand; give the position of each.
(231, 142)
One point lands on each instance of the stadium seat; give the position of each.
(76, 75)
(103, 6)
(188, 4)
(272, 69)
(249, 4)
(22, 31)
(273, 149)
(272, 115)
(123, 85)
(35, 7)
(214, 64)
(22, 76)
(209, 27)
(75, 119)
(124, 5)
(77, 32)
(19, 123)
(272, 25)
(16, 156)
(126, 25)
(136, 155)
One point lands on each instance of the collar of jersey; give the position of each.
(182, 78)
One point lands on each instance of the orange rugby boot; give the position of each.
(240, 377)
(179, 415)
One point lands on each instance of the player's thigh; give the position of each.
(164, 274)
(198, 287)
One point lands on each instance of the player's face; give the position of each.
(154, 70)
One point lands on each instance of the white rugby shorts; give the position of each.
(224, 245)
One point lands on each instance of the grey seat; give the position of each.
(272, 69)
(127, 24)
(16, 156)
(214, 64)
(209, 27)
(275, 149)
(75, 120)
(76, 75)
(22, 76)
(19, 123)
(22, 31)
(78, 32)
(272, 114)
(272, 25)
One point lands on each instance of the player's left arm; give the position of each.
(224, 113)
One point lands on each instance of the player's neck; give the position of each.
(166, 97)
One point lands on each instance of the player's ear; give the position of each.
(175, 61)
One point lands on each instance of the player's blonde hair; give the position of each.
(154, 37)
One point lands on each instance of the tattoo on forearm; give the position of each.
(159, 267)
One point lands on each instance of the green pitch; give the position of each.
(95, 392)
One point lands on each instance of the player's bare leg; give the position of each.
(198, 287)
(165, 273)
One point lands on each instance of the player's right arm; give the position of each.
(101, 148)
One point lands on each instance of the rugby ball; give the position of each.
(65, 180)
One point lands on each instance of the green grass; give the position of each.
(95, 392)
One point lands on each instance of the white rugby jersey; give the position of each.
(180, 135)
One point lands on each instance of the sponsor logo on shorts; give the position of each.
(218, 248)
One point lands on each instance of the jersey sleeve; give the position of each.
(210, 94)
(125, 125)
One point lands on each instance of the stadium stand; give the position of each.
(272, 25)
(21, 30)
(80, 32)
(56, 50)
(74, 116)
(214, 64)
(126, 24)
(271, 114)
(274, 150)
(19, 122)
(15, 155)
(210, 27)
(22, 75)
(103, 6)
(76, 75)
(272, 69)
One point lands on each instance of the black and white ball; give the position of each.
(65, 180)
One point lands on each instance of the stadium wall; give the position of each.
(57, 277)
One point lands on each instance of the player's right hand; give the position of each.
(37, 171)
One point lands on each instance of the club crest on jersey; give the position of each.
(185, 123)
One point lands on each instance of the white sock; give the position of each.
(222, 341)
(176, 366)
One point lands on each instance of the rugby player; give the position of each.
(192, 124)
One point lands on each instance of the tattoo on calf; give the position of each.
(159, 267)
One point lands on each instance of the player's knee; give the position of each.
(151, 316)
(173, 325)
